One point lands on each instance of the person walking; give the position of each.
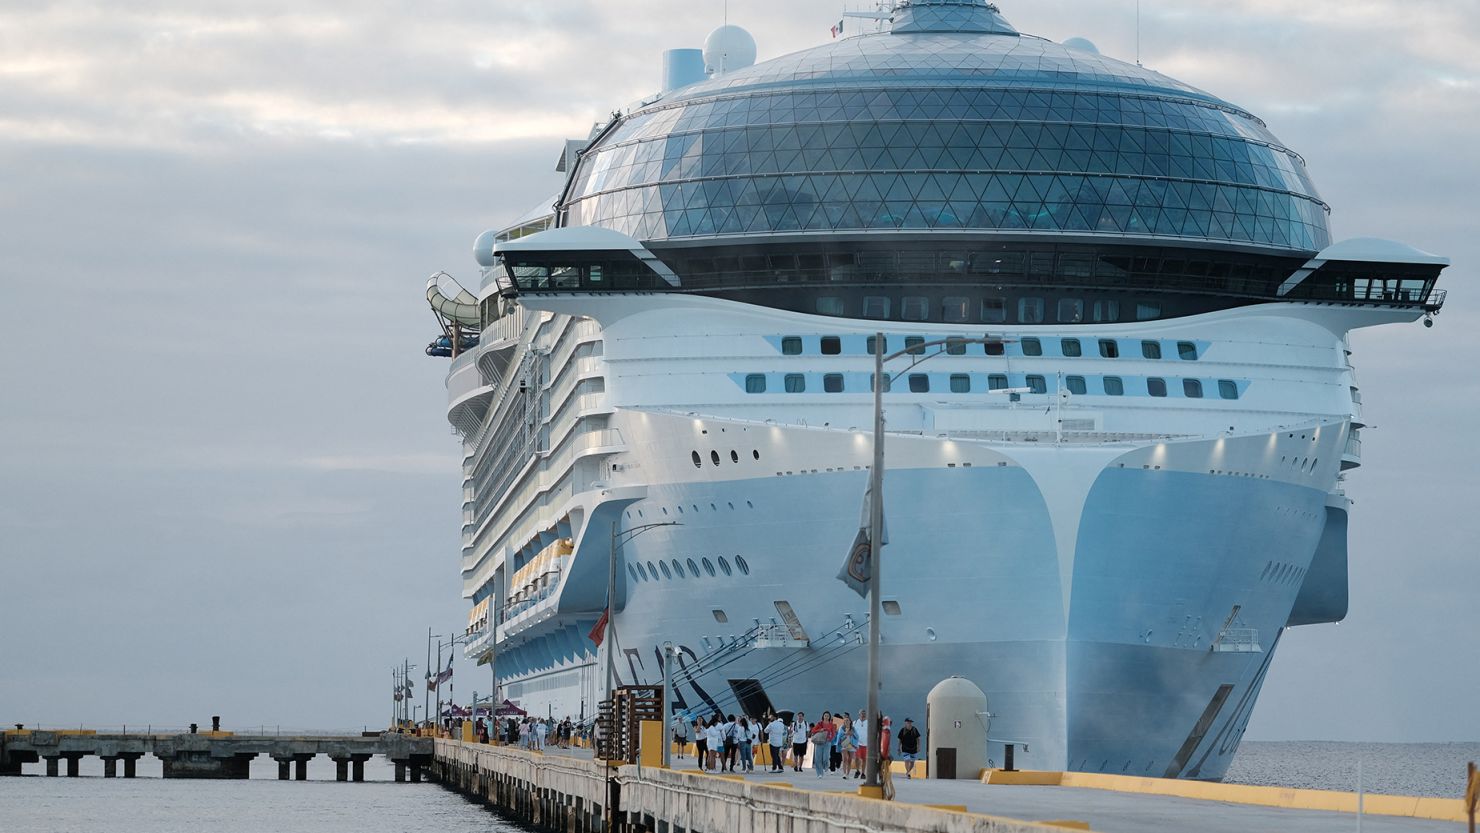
(847, 745)
(716, 742)
(747, 742)
(909, 746)
(680, 734)
(701, 742)
(776, 739)
(860, 757)
(886, 776)
(821, 738)
(800, 731)
(834, 753)
(727, 738)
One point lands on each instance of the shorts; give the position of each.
(909, 757)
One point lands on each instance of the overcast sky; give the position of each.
(226, 483)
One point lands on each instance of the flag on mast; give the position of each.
(838, 29)
(858, 569)
(445, 674)
(598, 631)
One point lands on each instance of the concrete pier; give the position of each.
(568, 792)
(214, 754)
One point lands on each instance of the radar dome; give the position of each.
(1083, 45)
(483, 249)
(727, 49)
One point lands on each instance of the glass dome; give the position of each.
(950, 122)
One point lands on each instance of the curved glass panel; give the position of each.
(947, 132)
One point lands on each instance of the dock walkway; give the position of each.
(653, 793)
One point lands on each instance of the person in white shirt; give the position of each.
(860, 758)
(716, 742)
(541, 728)
(776, 739)
(799, 732)
(680, 734)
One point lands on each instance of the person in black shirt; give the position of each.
(909, 746)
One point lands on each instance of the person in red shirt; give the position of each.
(886, 778)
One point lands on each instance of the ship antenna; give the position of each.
(1137, 33)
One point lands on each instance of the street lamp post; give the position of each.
(876, 529)
(427, 696)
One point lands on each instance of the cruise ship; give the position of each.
(1108, 493)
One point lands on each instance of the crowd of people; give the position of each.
(535, 733)
(830, 744)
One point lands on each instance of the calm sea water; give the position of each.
(91, 804)
(1434, 769)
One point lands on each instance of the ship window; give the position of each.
(996, 348)
(919, 383)
(829, 305)
(876, 306)
(698, 461)
(1192, 388)
(633, 570)
(720, 616)
(1032, 347)
(1227, 388)
(915, 308)
(1030, 310)
(791, 346)
(755, 453)
(890, 607)
(832, 383)
(1187, 351)
(713, 458)
(1106, 311)
(678, 568)
(1114, 387)
(831, 345)
(708, 566)
(994, 310)
(955, 310)
(1109, 348)
(734, 458)
(955, 346)
(912, 344)
(960, 383)
(667, 573)
(796, 383)
(997, 381)
(1076, 385)
(724, 566)
(1071, 347)
(693, 568)
(755, 383)
(1146, 310)
(653, 570)
(1071, 310)
(1156, 386)
(888, 382)
(642, 571)
(744, 568)
(1037, 384)
(875, 348)
(1151, 349)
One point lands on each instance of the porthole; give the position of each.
(749, 504)
(680, 509)
(720, 616)
(678, 568)
(653, 570)
(708, 566)
(633, 570)
(667, 573)
(891, 607)
(698, 461)
(714, 457)
(755, 454)
(734, 456)
(740, 562)
(693, 568)
(724, 566)
(641, 571)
